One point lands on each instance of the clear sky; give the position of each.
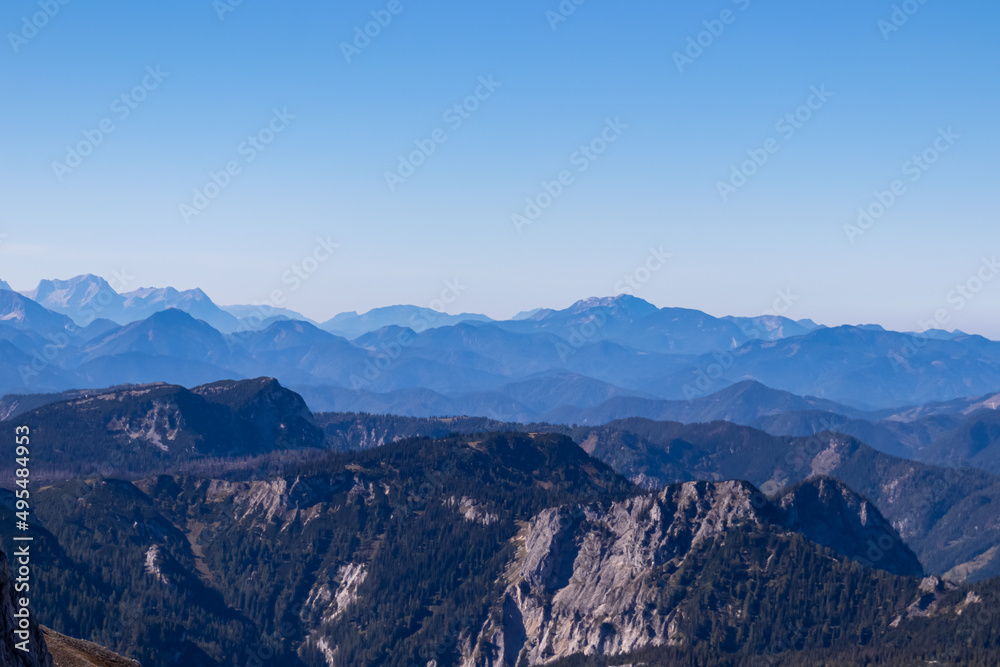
(680, 126)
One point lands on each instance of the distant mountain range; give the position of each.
(600, 359)
(87, 298)
(351, 325)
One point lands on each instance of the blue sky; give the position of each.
(343, 125)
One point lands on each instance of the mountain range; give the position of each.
(600, 358)
(134, 432)
(609, 479)
(928, 398)
(349, 539)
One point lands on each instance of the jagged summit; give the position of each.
(623, 302)
(73, 292)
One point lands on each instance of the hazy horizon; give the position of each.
(819, 109)
(783, 303)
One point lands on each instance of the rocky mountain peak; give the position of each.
(829, 513)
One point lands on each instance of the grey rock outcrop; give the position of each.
(582, 581)
(589, 578)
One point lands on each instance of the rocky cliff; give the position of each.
(829, 513)
(613, 578)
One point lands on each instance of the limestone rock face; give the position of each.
(582, 579)
(589, 578)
